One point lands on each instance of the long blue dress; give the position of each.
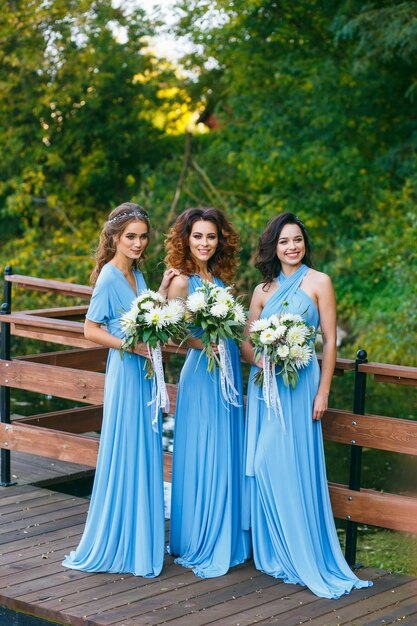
(293, 531)
(125, 530)
(207, 472)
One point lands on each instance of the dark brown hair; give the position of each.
(222, 263)
(267, 261)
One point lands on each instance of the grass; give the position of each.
(386, 549)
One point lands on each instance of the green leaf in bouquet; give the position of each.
(147, 333)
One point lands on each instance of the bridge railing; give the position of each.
(78, 374)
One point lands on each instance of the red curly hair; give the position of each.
(222, 264)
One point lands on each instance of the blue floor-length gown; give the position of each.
(125, 530)
(207, 473)
(293, 531)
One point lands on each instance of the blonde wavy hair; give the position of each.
(224, 261)
(116, 223)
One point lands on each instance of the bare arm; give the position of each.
(95, 332)
(255, 310)
(166, 283)
(327, 309)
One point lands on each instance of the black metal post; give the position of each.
(5, 479)
(356, 455)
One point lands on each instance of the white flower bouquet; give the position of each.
(221, 317)
(153, 320)
(285, 341)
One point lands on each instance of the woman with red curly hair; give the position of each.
(207, 471)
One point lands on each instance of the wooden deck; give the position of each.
(39, 526)
(30, 468)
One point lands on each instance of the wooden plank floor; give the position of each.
(30, 468)
(38, 527)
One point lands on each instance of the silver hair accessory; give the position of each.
(127, 214)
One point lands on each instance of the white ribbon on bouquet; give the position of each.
(270, 390)
(160, 395)
(227, 383)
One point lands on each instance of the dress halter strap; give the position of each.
(287, 286)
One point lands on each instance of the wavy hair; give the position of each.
(223, 262)
(116, 223)
(267, 261)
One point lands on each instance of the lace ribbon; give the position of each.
(270, 390)
(227, 384)
(159, 389)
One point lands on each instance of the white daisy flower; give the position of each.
(155, 317)
(267, 336)
(258, 325)
(219, 310)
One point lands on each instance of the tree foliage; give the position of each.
(314, 104)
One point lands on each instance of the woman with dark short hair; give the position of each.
(293, 531)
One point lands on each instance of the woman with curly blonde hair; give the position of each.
(207, 473)
(125, 529)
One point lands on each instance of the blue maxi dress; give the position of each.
(207, 472)
(125, 530)
(293, 531)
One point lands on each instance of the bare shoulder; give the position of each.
(320, 280)
(178, 287)
(181, 280)
(263, 291)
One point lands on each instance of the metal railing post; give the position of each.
(5, 478)
(356, 456)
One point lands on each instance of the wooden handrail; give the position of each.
(371, 431)
(46, 284)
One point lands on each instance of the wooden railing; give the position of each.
(77, 374)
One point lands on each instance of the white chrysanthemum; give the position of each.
(291, 317)
(283, 351)
(147, 294)
(258, 325)
(155, 317)
(267, 336)
(280, 332)
(219, 310)
(297, 334)
(275, 320)
(196, 301)
(146, 306)
(305, 357)
(128, 321)
(222, 296)
(239, 313)
(296, 352)
(174, 312)
(160, 298)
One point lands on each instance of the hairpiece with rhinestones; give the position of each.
(127, 214)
